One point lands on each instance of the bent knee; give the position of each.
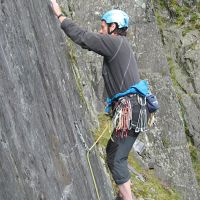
(120, 174)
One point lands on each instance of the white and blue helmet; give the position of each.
(116, 16)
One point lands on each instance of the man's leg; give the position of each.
(117, 159)
(125, 190)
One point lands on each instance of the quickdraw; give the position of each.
(142, 119)
(122, 118)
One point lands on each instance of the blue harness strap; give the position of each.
(141, 88)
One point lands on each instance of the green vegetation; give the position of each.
(166, 141)
(152, 188)
(172, 70)
(67, 11)
(63, 10)
(195, 160)
(161, 20)
(104, 122)
(193, 150)
(185, 16)
(73, 58)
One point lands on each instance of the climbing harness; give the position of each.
(141, 88)
(122, 118)
(88, 150)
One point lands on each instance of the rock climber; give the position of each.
(119, 71)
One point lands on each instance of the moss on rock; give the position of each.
(77, 75)
(195, 160)
(180, 15)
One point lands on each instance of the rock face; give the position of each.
(41, 156)
(48, 85)
(185, 52)
(181, 44)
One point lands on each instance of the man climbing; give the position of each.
(119, 71)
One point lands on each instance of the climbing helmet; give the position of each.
(116, 16)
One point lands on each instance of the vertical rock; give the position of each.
(41, 156)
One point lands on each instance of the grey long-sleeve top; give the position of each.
(120, 69)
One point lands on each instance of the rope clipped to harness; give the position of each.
(122, 117)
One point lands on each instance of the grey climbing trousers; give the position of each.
(118, 148)
(117, 151)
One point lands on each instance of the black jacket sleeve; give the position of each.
(104, 45)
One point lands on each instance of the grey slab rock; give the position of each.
(41, 156)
